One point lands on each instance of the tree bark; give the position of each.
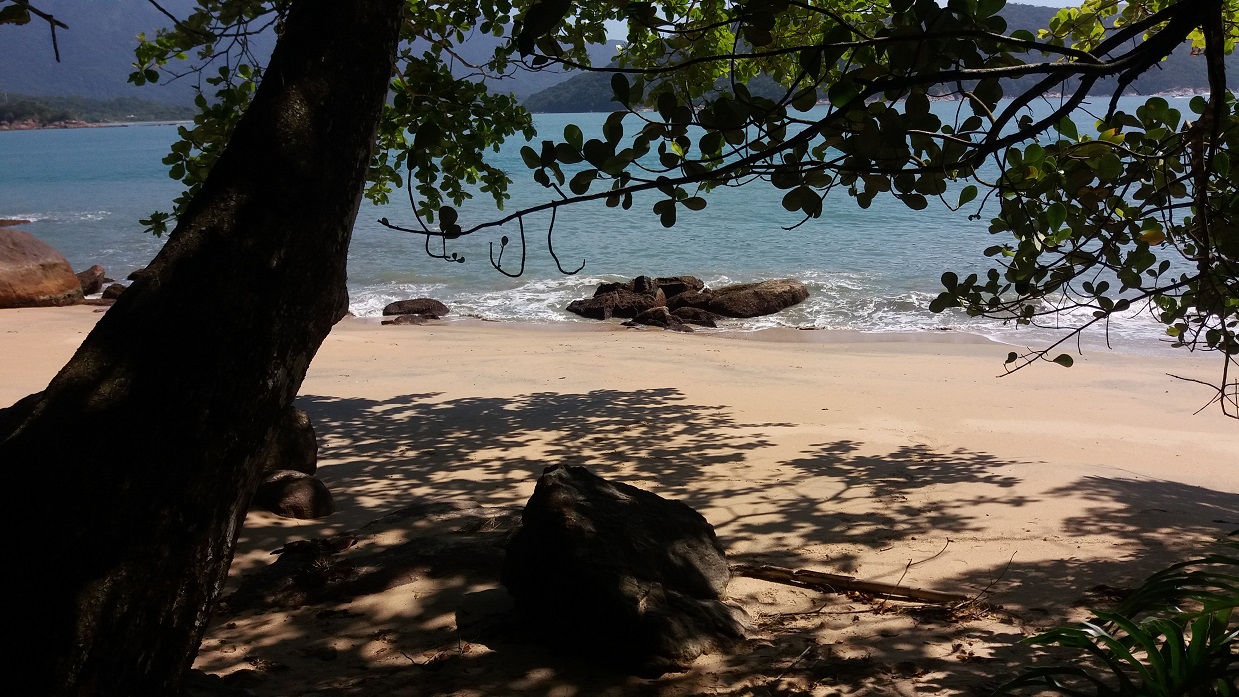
(129, 478)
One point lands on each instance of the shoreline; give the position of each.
(790, 335)
(75, 124)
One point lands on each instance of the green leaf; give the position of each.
(14, 14)
(916, 202)
(573, 136)
(531, 157)
(613, 128)
(967, 194)
(620, 88)
(1064, 360)
(580, 181)
(1067, 128)
(428, 135)
(1055, 215)
(447, 218)
(695, 203)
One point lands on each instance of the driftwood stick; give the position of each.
(834, 583)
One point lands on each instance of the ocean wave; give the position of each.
(856, 301)
(58, 217)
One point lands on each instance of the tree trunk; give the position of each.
(129, 478)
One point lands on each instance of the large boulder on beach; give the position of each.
(33, 274)
(752, 299)
(92, 279)
(294, 445)
(292, 494)
(416, 306)
(619, 574)
(625, 300)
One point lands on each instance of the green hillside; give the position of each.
(41, 111)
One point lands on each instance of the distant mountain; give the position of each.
(96, 54)
(28, 111)
(585, 92)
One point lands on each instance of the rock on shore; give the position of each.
(676, 301)
(33, 274)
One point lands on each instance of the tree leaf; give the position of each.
(447, 218)
(1064, 360)
(531, 157)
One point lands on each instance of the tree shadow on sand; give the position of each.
(836, 500)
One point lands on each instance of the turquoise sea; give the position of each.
(871, 270)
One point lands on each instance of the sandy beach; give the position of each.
(901, 459)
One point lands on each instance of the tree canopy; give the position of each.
(1094, 208)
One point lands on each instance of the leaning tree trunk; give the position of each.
(129, 478)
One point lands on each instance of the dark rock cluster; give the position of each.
(675, 302)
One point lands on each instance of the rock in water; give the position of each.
(674, 285)
(294, 495)
(32, 274)
(92, 279)
(620, 574)
(618, 303)
(416, 306)
(755, 299)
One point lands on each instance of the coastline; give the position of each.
(66, 125)
(902, 461)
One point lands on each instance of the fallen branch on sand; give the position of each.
(835, 583)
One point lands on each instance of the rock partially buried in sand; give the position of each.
(410, 319)
(33, 274)
(620, 574)
(695, 315)
(294, 495)
(660, 317)
(113, 291)
(416, 306)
